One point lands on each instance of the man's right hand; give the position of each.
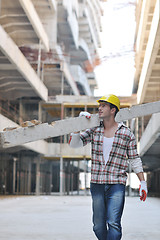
(86, 114)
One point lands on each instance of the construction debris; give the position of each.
(9, 128)
(34, 130)
(30, 123)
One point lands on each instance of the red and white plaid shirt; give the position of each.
(124, 149)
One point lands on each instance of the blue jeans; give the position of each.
(108, 203)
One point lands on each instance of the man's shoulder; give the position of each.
(92, 130)
(124, 129)
(96, 129)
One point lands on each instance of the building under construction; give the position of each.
(48, 51)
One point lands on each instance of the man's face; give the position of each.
(104, 110)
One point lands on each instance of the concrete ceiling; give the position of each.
(17, 28)
(22, 27)
(12, 83)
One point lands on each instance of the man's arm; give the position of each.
(137, 167)
(143, 186)
(140, 176)
(75, 140)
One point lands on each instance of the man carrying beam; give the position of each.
(113, 145)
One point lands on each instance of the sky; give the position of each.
(116, 72)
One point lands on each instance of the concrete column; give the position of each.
(40, 112)
(72, 112)
(85, 176)
(21, 112)
(72, 177)
(136, 130)
(38, 176)
(142, 125)
(50, 178)
(62, 84)
(14, 174)
(68, 177)
(29, 178)
(61, 187)
(78, 176)
(39, 60)
(18, 173)
(65, 115)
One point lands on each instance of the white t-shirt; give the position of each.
(107, 146)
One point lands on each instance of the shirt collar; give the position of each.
(120, 124)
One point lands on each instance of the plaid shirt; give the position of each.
(124, 148)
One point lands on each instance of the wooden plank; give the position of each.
(32, 133)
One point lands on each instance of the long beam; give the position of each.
(32, 133)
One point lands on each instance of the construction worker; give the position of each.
(113, 145)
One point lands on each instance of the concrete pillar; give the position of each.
(21, 112)
(142, 125)
(18, 173)
(38, 176)
(50, 178)
(85, 176)
(39, 60)
(68, 177)
(62, 84)
(72, 112)
(78, 176)
(14, 174)
(61, 187)
(40, 112)
(65, 115)
(137, 130)
(29, 177)
(72, 177)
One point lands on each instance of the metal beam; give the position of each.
(32, 133)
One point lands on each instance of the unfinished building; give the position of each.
(47, 49)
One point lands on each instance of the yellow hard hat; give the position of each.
(110, 98)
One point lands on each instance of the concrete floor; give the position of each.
(69, 217)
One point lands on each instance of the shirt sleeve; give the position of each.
(86, 136)
(133, 155)
(75, 140)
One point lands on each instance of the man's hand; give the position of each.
(143, 191)
(86, 114)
